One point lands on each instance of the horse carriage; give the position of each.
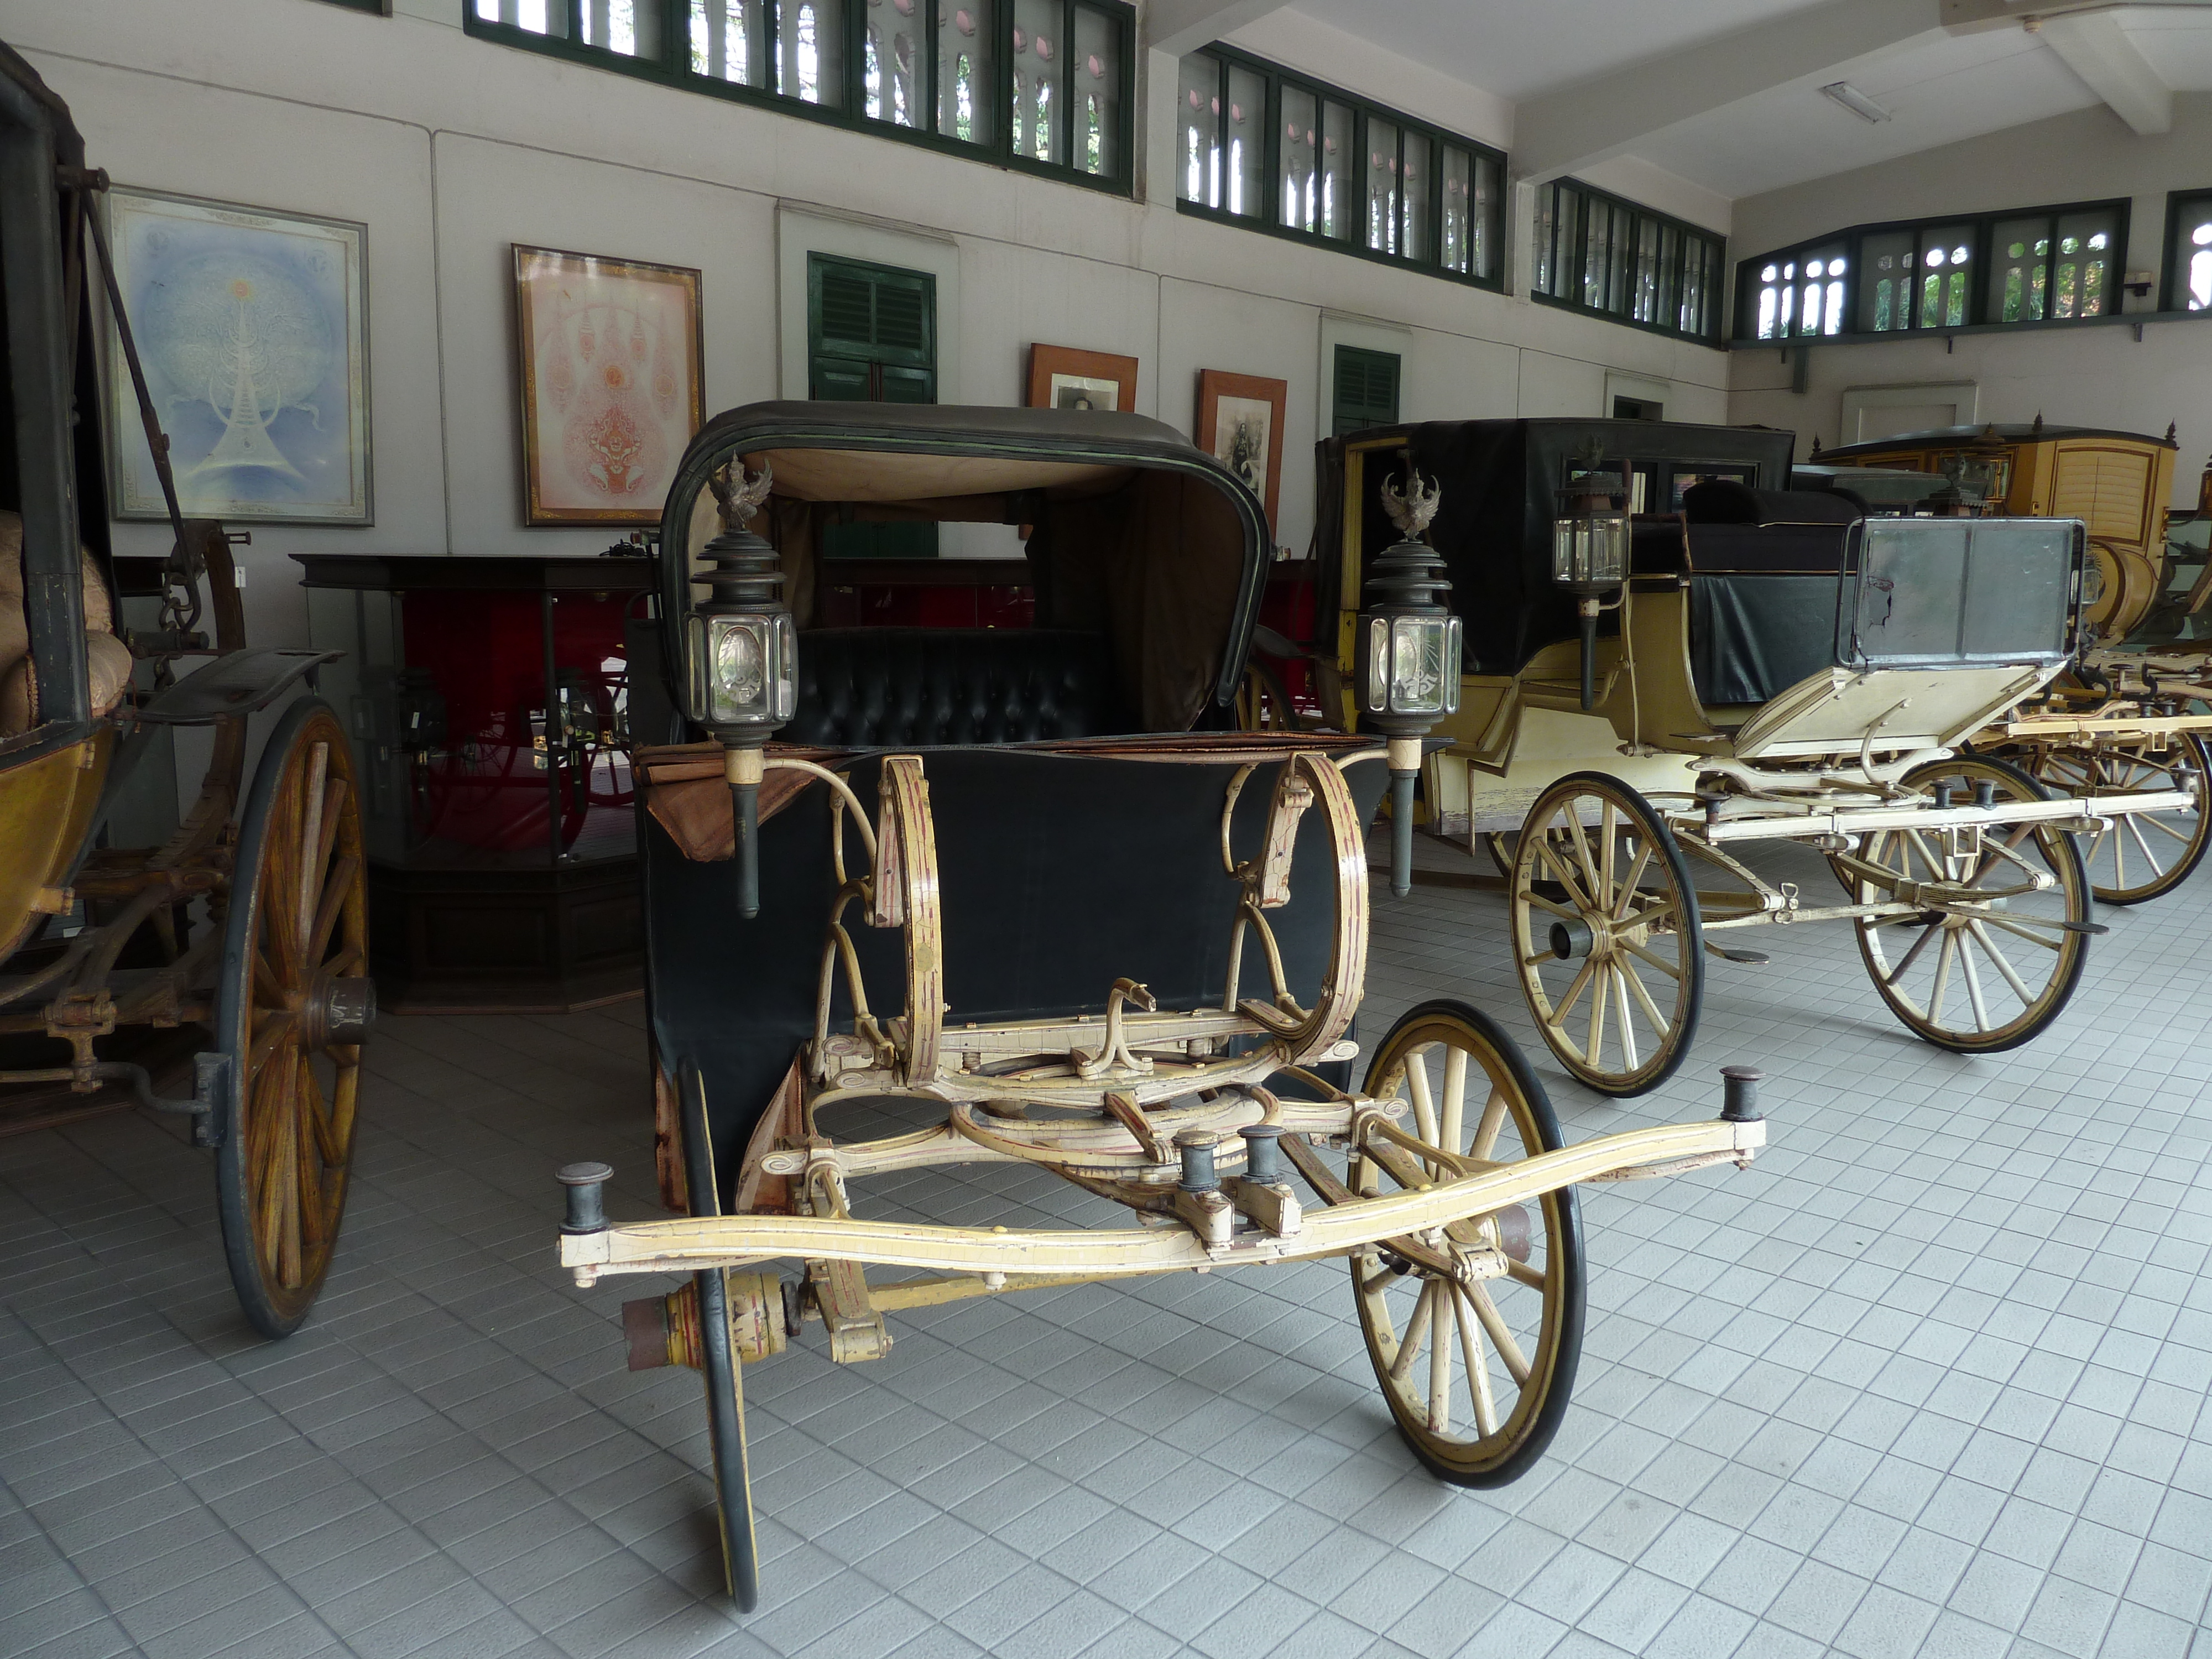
(1020, 897)
(1653, 702)
(2133, 712)
(249, 920)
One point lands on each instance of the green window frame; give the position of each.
(2188, 284)
(374, 8)
(2023, 267)
(1599, 253)
(1269, 148)
(872, 337)
(1046, 87)
(1364, 386)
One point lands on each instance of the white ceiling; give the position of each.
(1939, 87)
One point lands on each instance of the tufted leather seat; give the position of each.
(867, 688)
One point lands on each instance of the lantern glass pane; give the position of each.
(1590, 548)
(1417, 664)
(1452, 667)
(1378, 665)
(783, 676)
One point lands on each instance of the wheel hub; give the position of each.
(337, 1012)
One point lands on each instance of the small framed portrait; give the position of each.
(1063, 377)
(610, 357)
(252, 327)
(1240, 421)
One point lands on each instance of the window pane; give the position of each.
(538, 17)
(729, 40)
(1566, 244)
(1886, 281)
(1668, 293)
(1620, 280)
(1646, 308)
(1454, 249)
(1245, 134)
(1338, 217)
(2194, 232)
(2018, 260)
(1040, 80)
(1415, 187)
(1701, 273)
(1382, 187)
(1597, 247)
(631, 28)
(967, 35)
(890, 79)
(2082, 283)
(1546, 228)
(1488, 219)
(1097, 75)
(812, 66)
(1200, 109)
(1945, 269)
(1300, 151)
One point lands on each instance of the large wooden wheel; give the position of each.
(1476, 1363)
(292, 1007)
(1978, 980)
(1606, 934)
(2144, 855)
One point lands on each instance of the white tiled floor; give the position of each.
(1930, 1378)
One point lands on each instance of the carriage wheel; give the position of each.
(726, 1433)
(292, 1007)
(1500, 848)
(1606, 934)
(2145, 854)
(1263, 700)
(1477, 1369)
(1979, 983)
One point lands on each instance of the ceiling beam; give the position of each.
(1594, 120)
(2096, 47)
(1181, 26)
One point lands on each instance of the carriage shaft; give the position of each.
(691, 1243)
(2060, 813)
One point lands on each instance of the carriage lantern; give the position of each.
(1589, 552)
(741, 660)
(1409, 657)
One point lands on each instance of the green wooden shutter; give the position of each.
(1366, 390)
(872, 337)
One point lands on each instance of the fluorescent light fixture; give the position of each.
(1855, 101)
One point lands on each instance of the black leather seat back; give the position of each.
(1762, 606)
(873, 688)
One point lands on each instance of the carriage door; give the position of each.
(872, 337)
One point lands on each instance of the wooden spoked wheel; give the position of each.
(2144, 854)
(1476, 1363)
(1263, 701)
(1606, 934)
(1990, 978)
(292, 1007)
(1500, 848)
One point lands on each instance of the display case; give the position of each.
(488, 700)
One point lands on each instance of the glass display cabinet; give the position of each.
(490, 704)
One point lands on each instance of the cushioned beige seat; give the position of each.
(107, 657)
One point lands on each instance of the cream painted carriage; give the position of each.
(1652, 701)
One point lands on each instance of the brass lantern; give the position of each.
(1409, 657)
(1589, 552)
(741, 660)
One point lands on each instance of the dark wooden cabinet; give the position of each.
(488, 700)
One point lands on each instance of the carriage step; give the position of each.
(1756, 958)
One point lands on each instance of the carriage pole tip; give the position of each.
(744, 768)
(1401, 833)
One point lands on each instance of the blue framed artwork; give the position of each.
(253, 331)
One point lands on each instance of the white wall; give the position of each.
(449, 149)
(2099, 374)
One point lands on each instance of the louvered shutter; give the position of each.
(1366, 394)
(872, 337)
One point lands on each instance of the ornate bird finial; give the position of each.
(1411, 509)
(738, 493)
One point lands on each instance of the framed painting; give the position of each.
(1240, 421)
(610, 357)
(252, 327)
(1063, 377)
